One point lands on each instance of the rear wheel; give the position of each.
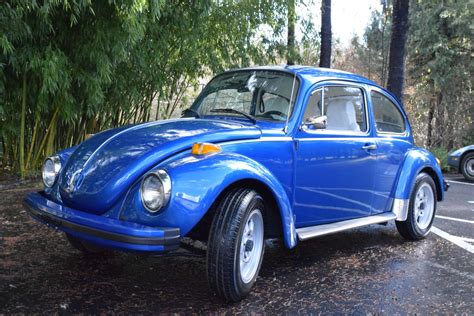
(421, 209)
(467, 167)
(86, 247)
(236, 244)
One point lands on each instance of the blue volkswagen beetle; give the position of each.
(269, 152)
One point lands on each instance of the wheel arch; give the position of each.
(418, 160)
(272, 215)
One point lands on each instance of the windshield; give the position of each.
(262, 94)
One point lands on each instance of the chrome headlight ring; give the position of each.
(155, 190)
(50, 170)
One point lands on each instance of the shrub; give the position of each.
(442, 154)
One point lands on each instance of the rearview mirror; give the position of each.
(316, 122)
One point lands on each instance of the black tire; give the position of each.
(410, 228)
(224, 245)
(85, 247)
(465, 163)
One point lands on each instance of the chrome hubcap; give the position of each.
(251, 246)
(424, 206)
(469, 167)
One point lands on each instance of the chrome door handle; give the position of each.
(369, 147)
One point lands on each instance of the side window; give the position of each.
(388, 118)
(314, 106)
(343, 106)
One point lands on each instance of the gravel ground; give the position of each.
(368, 270)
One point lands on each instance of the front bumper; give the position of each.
(104, 231)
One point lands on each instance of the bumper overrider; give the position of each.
(101, 230)
(446, 185)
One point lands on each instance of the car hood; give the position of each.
(104, 166)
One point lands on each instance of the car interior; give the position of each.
(343, 107)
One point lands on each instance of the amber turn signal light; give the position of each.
(205, 148)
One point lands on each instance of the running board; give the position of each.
(320, 230)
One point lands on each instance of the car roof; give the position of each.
(316, 74)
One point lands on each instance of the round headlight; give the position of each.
(155, 190)
(50, 171)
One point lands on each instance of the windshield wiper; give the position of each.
(250, 117)
(194, 113)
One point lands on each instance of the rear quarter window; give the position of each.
(388, 118)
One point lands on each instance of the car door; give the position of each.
(335, 166)
(393, 140)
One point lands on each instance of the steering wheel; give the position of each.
(274, 112)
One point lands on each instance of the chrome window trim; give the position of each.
(340, 132)
(402, 113)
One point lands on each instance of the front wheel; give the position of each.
(421, 209)
(236, 244)
(467, 167)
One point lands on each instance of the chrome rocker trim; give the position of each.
(320, 230)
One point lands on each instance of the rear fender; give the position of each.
(416, 161)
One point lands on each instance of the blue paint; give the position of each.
(416, 160)
(315, 177)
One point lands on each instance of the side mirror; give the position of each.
(317, 122)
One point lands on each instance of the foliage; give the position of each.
(71, 68)
(442, 154)
(57, 59)
(441, 72)
(369, 56)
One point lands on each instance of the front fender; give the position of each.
(415, 161)
(197, 181)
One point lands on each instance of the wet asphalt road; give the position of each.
(371, 269)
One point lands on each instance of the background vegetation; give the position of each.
(69, 68)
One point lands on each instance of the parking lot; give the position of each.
(371, 269)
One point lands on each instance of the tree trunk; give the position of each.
(396, 62)
(442, 134)
(291, 33)
(326, 34)
(22, 127)
(429, 136)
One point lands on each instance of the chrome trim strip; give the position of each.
(400, 209)
(320, 230)
(258, 140)
(275, 139)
